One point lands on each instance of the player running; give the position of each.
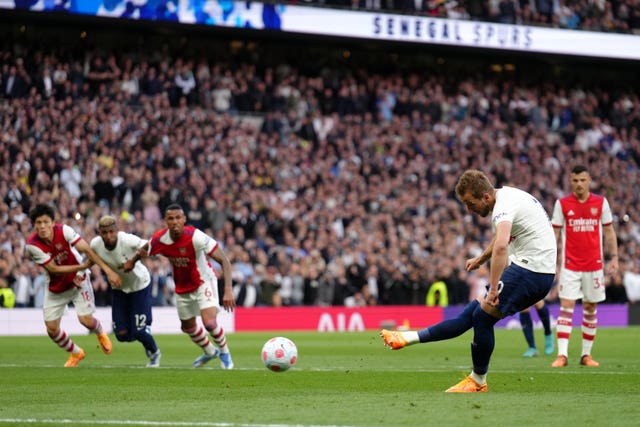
(131, 303)
(57, 247)
(189, 249)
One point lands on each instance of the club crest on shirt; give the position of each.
(58, 246)
(182, 251)
(594, 211)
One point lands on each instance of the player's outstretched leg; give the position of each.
(444, 330)
(393, 339)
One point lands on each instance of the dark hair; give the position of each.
(39, 210)
(579, 169)
(173, 207)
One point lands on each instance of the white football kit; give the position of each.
(126, 247)
(532, 244)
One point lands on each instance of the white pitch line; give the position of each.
(338, 369)
(151, 423)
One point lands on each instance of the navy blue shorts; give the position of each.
(522, 288)
(131, 312)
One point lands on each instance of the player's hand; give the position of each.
(492, 297)
(78, 279)
(228, 301)
(472, 264)
(114, 279)
(127, 266)
(612, 267)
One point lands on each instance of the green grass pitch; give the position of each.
(341, 379)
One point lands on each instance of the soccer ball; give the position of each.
(279, 354)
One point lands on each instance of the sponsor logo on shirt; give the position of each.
(179, 261)
(582, 225)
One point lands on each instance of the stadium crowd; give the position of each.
(330, 187)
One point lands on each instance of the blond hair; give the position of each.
(106, 222)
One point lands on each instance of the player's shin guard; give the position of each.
(565, 323)
(97, 327)
(589, 328)
(219, 338)
(199, 337)
(64, 341)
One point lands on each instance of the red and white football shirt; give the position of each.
(61, 250)
(581, 224)
(188, 256)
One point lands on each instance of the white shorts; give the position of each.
(585, 285)
(55, 305)
(191, 304)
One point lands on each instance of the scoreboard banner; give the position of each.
(254, 16)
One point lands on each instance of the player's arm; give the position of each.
(557, 220)
(114, 279)
(556, 232)
(228, 300)
(54, 268)
(611, 247)
(499, 256)
(138, 255)
(476, 262)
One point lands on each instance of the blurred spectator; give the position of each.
(186, 82)
(269, 288)
(39, 282)
(102, 74)
(7, 297)
(14, 83)
(631, 282)
(22, 286)
(615, 290)
(71, 178)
